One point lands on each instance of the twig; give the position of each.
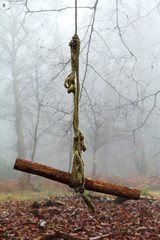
(58, 234)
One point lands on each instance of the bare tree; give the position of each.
(38, 122)
(12, 40)
(118, 60)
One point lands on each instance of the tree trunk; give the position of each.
(70, 152)
(64, 177)
(35, 138)
(19, 120)
(94, 163)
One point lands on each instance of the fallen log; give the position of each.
(64, 177)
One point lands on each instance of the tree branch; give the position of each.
(89, 43)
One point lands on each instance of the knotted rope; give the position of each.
(77, 174)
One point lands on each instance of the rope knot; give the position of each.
(79, 141)
(75, 44)
(70, 83)
(83, 146)
(75, 50)
(77, 175)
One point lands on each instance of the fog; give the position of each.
(120, 87)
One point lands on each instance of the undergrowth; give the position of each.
(38, 189)
(30, 195)
(20, 190)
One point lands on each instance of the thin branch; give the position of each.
(135, 103)
(59, 235)
(126, 46)
(144, 16)
(89, 43)
(91, 105)
(54, 10)
(110, 85)
(148, 115)
(61, 70)
(58, 109)
(107, 47)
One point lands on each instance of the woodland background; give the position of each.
(120, 88)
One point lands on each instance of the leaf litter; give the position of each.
(22, 220)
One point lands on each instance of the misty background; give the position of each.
(120, 85)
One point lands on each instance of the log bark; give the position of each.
(64, 177)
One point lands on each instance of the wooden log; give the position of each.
(64, 177)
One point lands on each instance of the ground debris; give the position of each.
(70, 217)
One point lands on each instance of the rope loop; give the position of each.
(70, 83)
(75, 49)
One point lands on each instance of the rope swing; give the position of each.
(77, 174)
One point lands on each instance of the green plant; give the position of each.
(5, 235)
(145, 191)
(37, 187)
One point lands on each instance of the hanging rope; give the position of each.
(77, 174)
(75, 16)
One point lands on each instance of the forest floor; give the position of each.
(67, 217)
(46, 210)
